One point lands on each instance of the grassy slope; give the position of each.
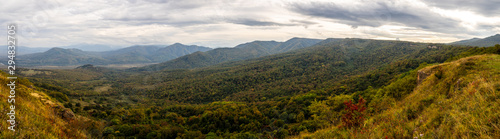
(459, 99)
(35, 116)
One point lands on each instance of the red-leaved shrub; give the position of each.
(354, 115)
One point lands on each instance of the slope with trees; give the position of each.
(129, 55)
(290, 94)
(244, 51)
(484, 42)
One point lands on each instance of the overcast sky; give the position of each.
(226, 23)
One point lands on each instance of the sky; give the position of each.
(227, 23)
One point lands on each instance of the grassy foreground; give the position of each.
(39, 116)
(458, 99)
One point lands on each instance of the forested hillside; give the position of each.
(484, 42)
(244, 51)
(266, 69)
(290, 73)
(457, 99)
(293, 94)
(129, 55)
(60, 57)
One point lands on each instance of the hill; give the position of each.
(132, 54)
(289, 73)
(37, 115)
(23, 50)
(455, 99)
(176, 50)
(293, 44)
(485, 42)
(275, 96)
(61, 57)
(92, 47)
(129, 55)
(244, 51)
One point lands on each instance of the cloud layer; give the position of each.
(226, 23)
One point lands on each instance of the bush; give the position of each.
(354, 115)
(245, 135)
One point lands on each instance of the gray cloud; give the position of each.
(255, 22)
(376, 14)
(483, 7)
(230, 22)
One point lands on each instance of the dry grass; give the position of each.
(34, 118)
(463, 102)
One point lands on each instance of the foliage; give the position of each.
(276, 96)
(241, 52)
(460, 104)
(129, 55)
(36, 115)
(485, 42)
(354, 115)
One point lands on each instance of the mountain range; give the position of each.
(240, 52)
(92, 47)
(181, 56)
(484, 42)
(175, 56)
(24, 50)
(334, 88)
(130, 55)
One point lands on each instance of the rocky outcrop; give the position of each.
(422, 75)
(428, 71)
(59, 110)
(64, 113)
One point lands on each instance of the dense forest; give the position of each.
(338, 88)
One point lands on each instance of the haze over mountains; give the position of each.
(176, 56)
(288, 89)
(24, 50)
(241, 52)
(129, 55)
(202, 56)
(484, 42)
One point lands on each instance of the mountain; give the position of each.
(151, 53)
(61, 57)
(294, 43)
(259, 44)
(129, 55)
(466, 41)
(132, 54)
(92, 47)
(177, 50)
(23, 50)
(240, 52)
(338, 88)
(316, 66)
(485, 42)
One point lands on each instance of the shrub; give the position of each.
(354, 115)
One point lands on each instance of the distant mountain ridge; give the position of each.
(240, 52)
(130, 55)
(485, 42)
(23, 50)
(61, 57)
(92, 47)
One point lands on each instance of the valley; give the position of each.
(236, 69)
(299, 93)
